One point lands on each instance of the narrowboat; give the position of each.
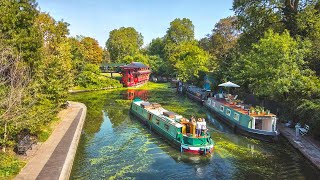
(197, 94)
(255, 123)
(176, 129)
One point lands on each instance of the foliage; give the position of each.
(188, 60)
(309, 112)
(180, 30)
(136, 58)
(122, 42)
(9, 165)
(90, 78)
(92, 52)
(156, 47)
(16, 28)
(274, 67)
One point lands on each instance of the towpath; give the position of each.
(54, 158)
(305, 144)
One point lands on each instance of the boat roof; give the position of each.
(239, 109)
(135, 65)
(196, 89)
(158, 111)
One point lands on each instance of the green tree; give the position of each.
(156, 47)
(92, 52)
(53, 74)
(220, 45)
(180, 30)
(188, 60)
(123, 42)
(308, 22)
(78, 61)
(17, 30)
(255, 17)
(275, 68)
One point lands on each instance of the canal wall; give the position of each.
(54, 158)
(305, 145)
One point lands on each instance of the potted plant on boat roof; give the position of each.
(267, 111)
(251, 110)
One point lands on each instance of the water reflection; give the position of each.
(130, 94)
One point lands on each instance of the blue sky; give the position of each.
(96, 18)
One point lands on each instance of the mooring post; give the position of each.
(181, 148)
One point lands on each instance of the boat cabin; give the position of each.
(134, 74)
(242, 114)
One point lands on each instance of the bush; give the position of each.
(91, 78)
(9, 165)
(309, 113)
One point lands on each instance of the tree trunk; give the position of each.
(4, 138)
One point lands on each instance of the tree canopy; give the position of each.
(122, 42)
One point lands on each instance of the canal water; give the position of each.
(114, 145)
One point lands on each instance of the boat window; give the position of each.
(157, 121)
(228, 112)
(236, 116)
(222, 108)
(166, 126)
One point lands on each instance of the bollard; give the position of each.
(297, 126)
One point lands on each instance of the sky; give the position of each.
(96, 18)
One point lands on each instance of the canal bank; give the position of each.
(307, 146)
(54, 159)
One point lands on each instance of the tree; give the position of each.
(17, 30)
(180, 30)
(188, 60)
(123, 42)
(106, 56)
(275, 68)
(254, 17)
(14, 79)
(53, 75)
(156, 47)
(92, 52)
(220, 44)
(309, 25)
(51, 31)
(77, 56)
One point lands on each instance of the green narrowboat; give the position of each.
(177, 130)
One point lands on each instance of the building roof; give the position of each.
(135, 65)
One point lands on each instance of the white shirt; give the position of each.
(199, 124)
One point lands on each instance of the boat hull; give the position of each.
(176, 144)
(253, 133)
(195, 98)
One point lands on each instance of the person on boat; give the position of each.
(194, 124)
(203, 126)
(198, 127)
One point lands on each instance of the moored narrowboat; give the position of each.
(257, 124)
(177, 130)
(197, 94)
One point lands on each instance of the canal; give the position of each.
(115, 145)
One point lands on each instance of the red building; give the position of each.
(134, 74)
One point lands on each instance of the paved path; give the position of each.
(306, 145)
(55, 157)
